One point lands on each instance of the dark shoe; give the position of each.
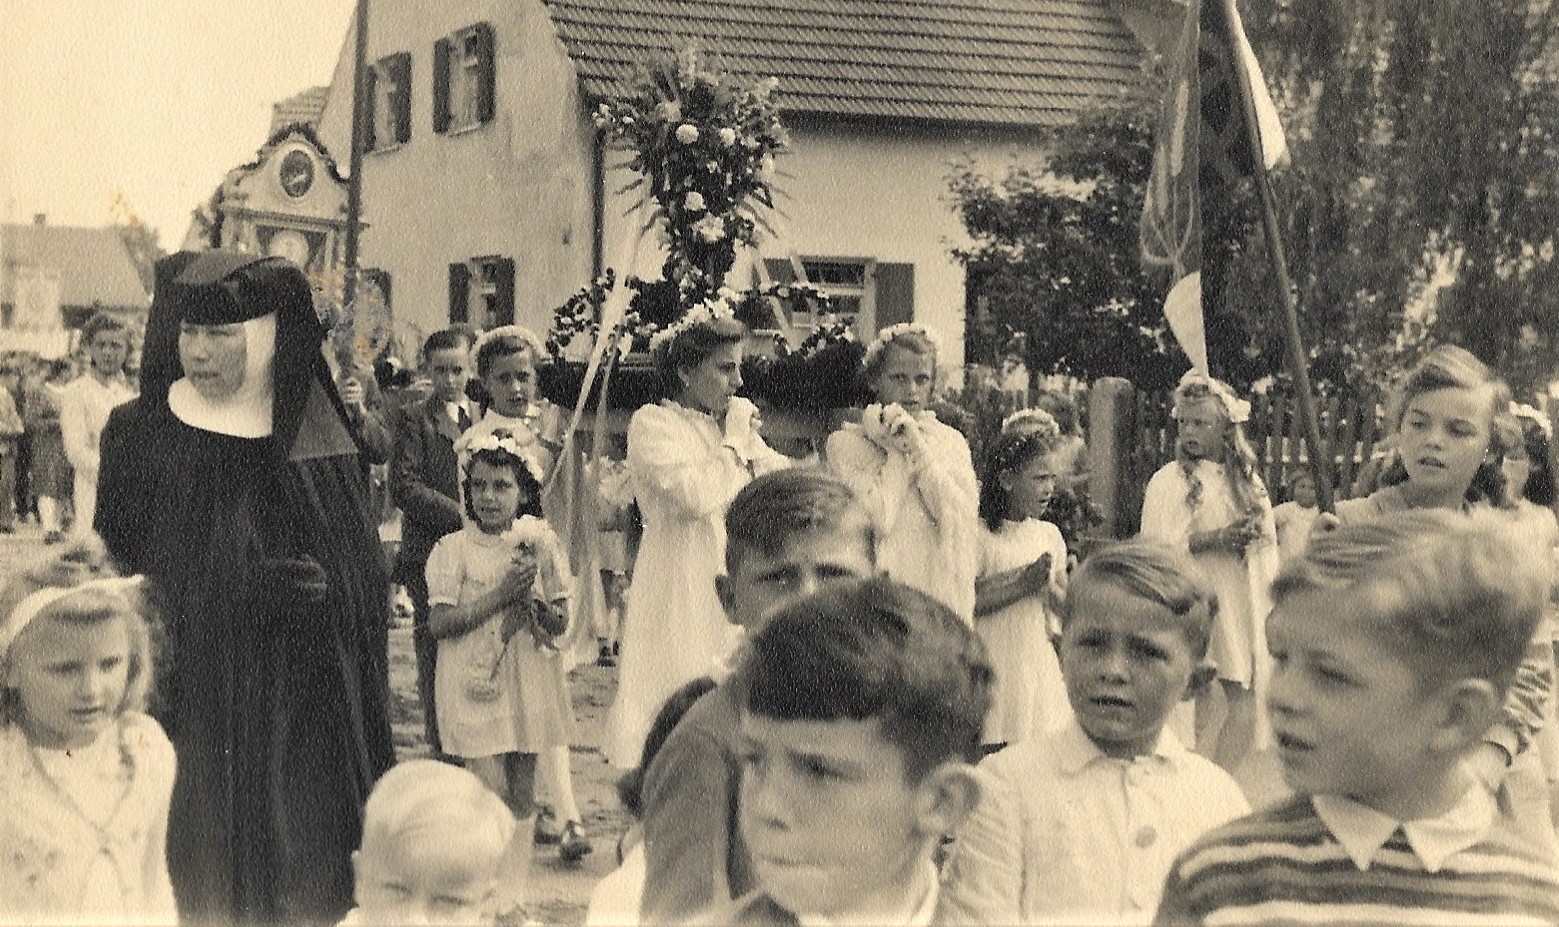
(53, 537)
(547, 830)
(605, 657)
(574, 847)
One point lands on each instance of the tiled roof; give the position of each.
(304, 108)
(94, 265)
(1002, 62)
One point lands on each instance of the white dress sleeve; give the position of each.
(1165, 515)
(946, 480)
(666, 455)
(74, 430)
(155, 760)
(858, 462)
(445, 571)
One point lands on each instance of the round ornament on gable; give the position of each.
(296, 172)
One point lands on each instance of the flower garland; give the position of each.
(1535, 415)
(706, 313)
(506, 442)
(887, 336)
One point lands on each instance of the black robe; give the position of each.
(278, 715)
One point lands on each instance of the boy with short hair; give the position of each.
(1081, 825)
(433, 835)
(862, 721)
(788, 533)
(1393, 643)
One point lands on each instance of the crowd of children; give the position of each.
(879, 688)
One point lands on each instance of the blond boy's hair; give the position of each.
(1455, 596)
(420, 797)
(1161, 575)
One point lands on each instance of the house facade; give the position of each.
(53, 278)
(488, 197)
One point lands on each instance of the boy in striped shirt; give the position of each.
(1392, 645)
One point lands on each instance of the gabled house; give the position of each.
(55, 277)
(489, 197)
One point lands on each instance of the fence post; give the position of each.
(1110, 427)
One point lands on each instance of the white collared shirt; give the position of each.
(1363, 831)
(1064, 832)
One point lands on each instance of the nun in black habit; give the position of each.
(235, 484)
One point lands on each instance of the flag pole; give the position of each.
(362, 109)
(1298, 365)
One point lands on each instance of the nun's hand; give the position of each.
(286, 581)
(353, 397)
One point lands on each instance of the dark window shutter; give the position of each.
(441, 86)
(370, 106)
(400, 70)
(779, 270)
(459, 292)
(895, 294)
(503, 285)
(487, 76)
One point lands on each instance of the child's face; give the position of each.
(109, 349)
(511, 381)
(1304, 492)
(712, 382)
(1201, 427)
(905, 378)
(70, 679)
(1443, 438)
(495, 496)
(1030, 487)
(829, 815)
(1348, 715)
(1126, 663)
(423, 881)
(1517, 467)
(449, 369)
(762, 584)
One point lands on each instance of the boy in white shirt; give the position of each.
(1081, 825)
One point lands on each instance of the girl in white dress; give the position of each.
(914, 474)
(688, 456)
(85, 777)
(1209, 500)
(1022, 581)
(497, 595)
(505, 360)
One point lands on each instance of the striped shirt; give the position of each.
(1283, 865)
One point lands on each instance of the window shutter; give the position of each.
(503, 285)
(459, 292)
(487, 82)
(895, 294)
(370, 107)
(400, 71)
(779, 270)
(441, 86)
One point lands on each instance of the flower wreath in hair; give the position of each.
(1521, 410)
(532, 341)
(887, 335)
(705, 313)
(1035, 421)
(1237, 409)
(520, 447)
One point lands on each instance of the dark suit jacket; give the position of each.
(424, 482)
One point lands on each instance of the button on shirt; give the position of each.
(1065, 833)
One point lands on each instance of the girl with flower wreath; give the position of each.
(688, 456)
(914, 474)
(506, 361)
(498, 594)
(1210, 500)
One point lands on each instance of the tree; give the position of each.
(1054, 255)
(139, 239)
(1419, 202)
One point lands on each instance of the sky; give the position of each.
(155, 99)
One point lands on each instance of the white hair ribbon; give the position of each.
(34, 604)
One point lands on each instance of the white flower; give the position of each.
(687, 133)
(727, 137)
(671, 111)
(766, 168)
(694, 202)
(710, 228)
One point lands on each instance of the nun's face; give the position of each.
(213, 357)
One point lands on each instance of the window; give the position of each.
(389, 92)
(868, 293)
(464, 79)
(481, 291)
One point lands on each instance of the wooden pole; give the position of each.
(1298, 365)
(362, 108)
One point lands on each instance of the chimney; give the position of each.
(40, 218)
